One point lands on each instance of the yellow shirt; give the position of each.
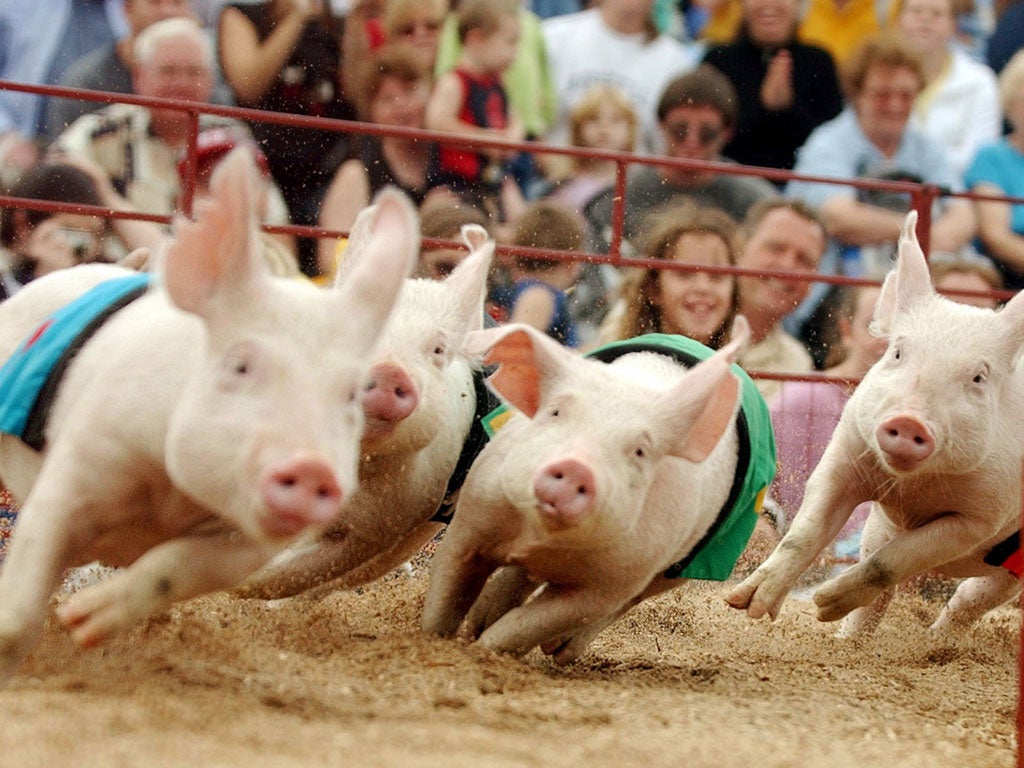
(839, 30)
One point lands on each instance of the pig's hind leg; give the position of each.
(973, 598)
(170, 572)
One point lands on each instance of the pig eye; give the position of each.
(980, 377)
(640, 453)
(555, 412)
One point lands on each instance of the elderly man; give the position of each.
(109, 68)
(139, 148)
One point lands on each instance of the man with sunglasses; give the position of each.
(697, 116)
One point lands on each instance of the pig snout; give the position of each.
(565, 492)
(905, 440)
(389, 397)
(299, 492)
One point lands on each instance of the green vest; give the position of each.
(716, 553)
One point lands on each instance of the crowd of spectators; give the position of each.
(925, 91)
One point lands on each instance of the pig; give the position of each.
(201, 428)
(932, 437)
(419, 408)
(610, 482)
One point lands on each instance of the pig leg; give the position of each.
(877, 532)
(507, 588)
(31, 573)
(170, 572)
(906, 554)
(973, 598)
(553, 613)
(827, 505)
(567, 650)
(457, 576)
(389, 559)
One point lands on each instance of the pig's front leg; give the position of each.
(906, 554)
(457, 575)
(170, 572)
(30, 574)
(507, 588)
(555, 612)
(830, 498)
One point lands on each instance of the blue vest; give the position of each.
(30, 377)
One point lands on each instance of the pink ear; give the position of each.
(716, 417)
(517, 379)
(908, 281)
(219, 247)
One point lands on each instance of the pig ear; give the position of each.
(358, 237)
(388, 250)
(703, 404)
(1012, 314)
(906, 283)
(220, 249)
(469, 279)
(526, 359)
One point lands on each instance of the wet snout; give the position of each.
(905, 441)
(566, 491)
(299, 492)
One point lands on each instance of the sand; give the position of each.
(349, 680)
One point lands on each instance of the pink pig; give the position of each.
(605, 476)
(932, 436)
(420, 407)
(201, 428)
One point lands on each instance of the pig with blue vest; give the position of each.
(195, 426)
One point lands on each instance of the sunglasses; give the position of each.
(705, 132)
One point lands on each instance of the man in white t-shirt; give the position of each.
(615, 43)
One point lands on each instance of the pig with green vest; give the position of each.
(615, 476)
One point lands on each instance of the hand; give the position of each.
(777, 86)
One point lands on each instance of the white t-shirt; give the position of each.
(582, 51)
(960, 109)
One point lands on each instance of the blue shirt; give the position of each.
(1002, 165)
(31, 35)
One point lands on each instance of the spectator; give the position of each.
(537, 291)
(602, 119)
(617, 43)
(394, 92)
(139, 147)
(783, 234)
(109, 67)
(471, 100)
(842, 26)
(285, 56)
(872, 138)
(966, 271)
(998, 169)
(1008, 35)
(39, 242)
(531, 93)
(959, 106)
(785, 88)
(805, 414)
(38, 40)
(442, 220)
(697, 114)
(697, 304)
(415, 25)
